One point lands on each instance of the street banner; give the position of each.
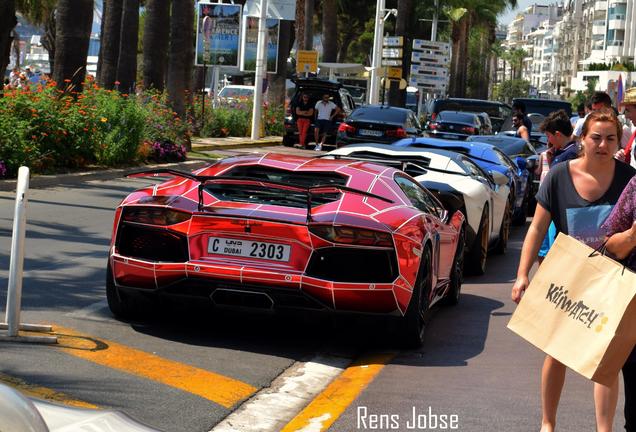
(218, 34)
(580, 308)
(249, 44)
(276, 9)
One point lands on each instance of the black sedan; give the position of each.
(378, 124)
(456, 122)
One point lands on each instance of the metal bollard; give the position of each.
(14, 294)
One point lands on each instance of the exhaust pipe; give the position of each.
(241, 298)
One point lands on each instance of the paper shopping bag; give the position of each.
(581, 310)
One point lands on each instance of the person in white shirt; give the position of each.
(600, 100)
(325, 111)
(626, 154)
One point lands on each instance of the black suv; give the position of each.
(500, 113)
(315, 88)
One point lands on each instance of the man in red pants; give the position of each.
(304, 115)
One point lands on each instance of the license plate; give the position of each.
(369, 132)
(249, 249)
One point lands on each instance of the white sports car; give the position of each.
(460, 184)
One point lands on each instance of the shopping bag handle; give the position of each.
(602, 249)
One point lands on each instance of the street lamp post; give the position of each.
(261, 66)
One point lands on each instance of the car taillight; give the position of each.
(350, 235)
(468, 129)
(346, 128)
(398, 133)
(433, 126)
(154, 215)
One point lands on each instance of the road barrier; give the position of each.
(14, 293)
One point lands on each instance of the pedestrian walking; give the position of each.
(577, 195)
(620, 226)
(326, 111)
(304, 114)
(558, 129)
(629, 104)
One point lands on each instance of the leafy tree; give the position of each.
(510, 89)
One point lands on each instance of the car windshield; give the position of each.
(379, 114)
(452, 116)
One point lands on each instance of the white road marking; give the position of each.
(273, 407)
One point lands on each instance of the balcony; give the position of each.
(616, 24)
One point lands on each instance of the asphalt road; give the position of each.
(471, 366)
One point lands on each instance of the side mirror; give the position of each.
(521, 162)
(531, 163)
(499, 178)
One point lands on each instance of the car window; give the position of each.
(476, 172)
(457, 116)
(380, 114)
(416, 195)
(505, 160)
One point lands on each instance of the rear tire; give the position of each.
(121, 305)
(413, 323)
(456, 275)
(478, 254)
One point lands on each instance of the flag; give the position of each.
(619, 90)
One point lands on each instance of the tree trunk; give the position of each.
(155, 42)
(348, 37)
(329, 31)
(73, 31)
(308, 43)
(128, 41)
(110, 44)
(188, 66)
(403, 25)
(48, 41)
(177, 56)
(459, 62)
(8, 21)
(300, 23)
(98, 72)
(277, 87)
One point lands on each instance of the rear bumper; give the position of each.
(236, 286)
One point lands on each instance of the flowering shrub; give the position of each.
(167, 151)
(49, 130)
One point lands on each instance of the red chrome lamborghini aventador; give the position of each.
(279, 231)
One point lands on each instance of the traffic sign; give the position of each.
(307, 61)
(391, 62)
(429, 88)
(392, 52)
(393, 41)
(428, 71)
(394, 72)
(421, 44)
(419, 80)
(419, 57)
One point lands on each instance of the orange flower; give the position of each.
(67, 80)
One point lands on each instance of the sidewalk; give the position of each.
(104, 173)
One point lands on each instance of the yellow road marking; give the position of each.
(209, 385)
(43, 392)
(327, 407)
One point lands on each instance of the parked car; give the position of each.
(500, 113)
(460, 184)
(19, 413)
(283, 232)
(456, 122)
(490, 159)
(358, 93)
(544, 106)
(378, 123)
(234, 93)
(316, 88)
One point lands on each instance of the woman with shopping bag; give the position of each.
(577, 196)
(620, 226)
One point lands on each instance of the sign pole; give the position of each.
(260, 70)
(377, 52)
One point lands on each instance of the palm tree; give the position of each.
(110, 43)
(329, 31)
(308, 43)
(8, 21)
(73, 31)
(181, 28)
(299, 24)
(155, 42)
(128, 42)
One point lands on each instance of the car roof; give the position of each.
(476, 149)
(472, 101)
(384, 107)
(317, 83)
(496, 138)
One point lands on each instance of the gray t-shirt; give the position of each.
(574, 215)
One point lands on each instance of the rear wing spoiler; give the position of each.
(250, 181)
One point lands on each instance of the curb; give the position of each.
(72, 179)
(239, 144)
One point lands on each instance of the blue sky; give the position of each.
(507, 17)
